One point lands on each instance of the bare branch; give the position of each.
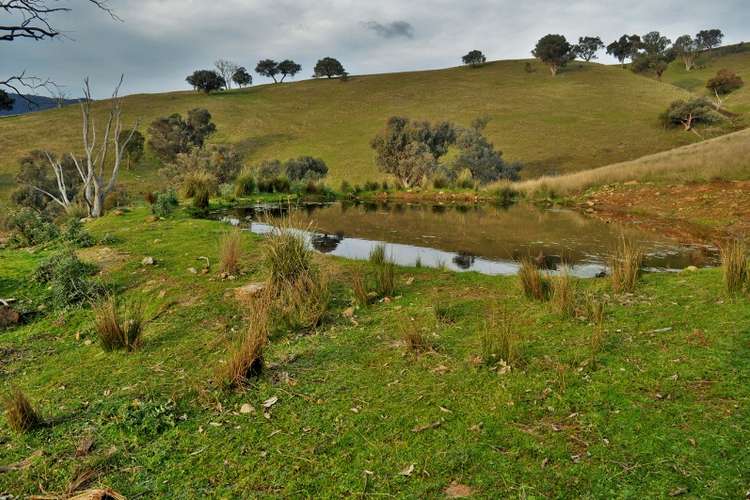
(33, 18)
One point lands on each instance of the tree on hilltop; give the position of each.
(206, 80)
(626, 47)
(288, 67)
(268, 68)
(587, 47)
(474, 58)
(329, 67)
(554, 51)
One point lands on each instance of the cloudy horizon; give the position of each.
(159, 42)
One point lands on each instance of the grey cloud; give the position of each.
(160, 42)
(394, 29)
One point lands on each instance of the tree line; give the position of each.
(227, 73)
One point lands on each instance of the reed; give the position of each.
(230, 251)
(735, 267)
(625, 266)
(534, 284)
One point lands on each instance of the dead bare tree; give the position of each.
(32, 19)
(102, 159)
(227, 70)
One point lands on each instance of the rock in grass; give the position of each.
(148, 261)
(249, 291)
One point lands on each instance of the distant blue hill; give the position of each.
(21, 106)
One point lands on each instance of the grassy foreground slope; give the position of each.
(726, 157)
(663, 411)
(588, 116)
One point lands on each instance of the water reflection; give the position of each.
(480, 238)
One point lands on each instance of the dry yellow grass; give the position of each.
(625, 266)
(734, 264)
(726, 157)
(21, 415)
(230, 252)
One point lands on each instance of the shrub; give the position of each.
(725, 82)
(346, 188)
(440, 181)
(465, 180)
(305, 168)
(69, 279)
(625, 266)
(21, 415)
(165, 203)
(535, 285)
(281, 184)
(230, 251)
(76, 234)
(735, 267)
(149, 197)
(119, 197)
(245, 185)
(500, 343)
(564, 293)
(689, 113)
(372, 186)
(201, 200)
(28, 227)
(118, 330)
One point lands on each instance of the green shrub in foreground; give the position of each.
(69, 279)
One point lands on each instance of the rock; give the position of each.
(192, 270)
(152, 218)
(247, 408)
(690, 269)
(249, 291)
(148, 261)
(9, 316)
(118, 212)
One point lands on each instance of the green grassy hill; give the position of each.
(588, 116)
(707, 66)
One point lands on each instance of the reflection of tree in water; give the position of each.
(326, 243)
(464, 260)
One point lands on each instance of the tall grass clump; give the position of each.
(246, 358)
(625, 266)
(230, 251)
(563, 295)
(359, 289)
(384, 272)
(118, 328)
(535, 285)
(500, 342)
(300, 292)
(19, 412)
(735, 267)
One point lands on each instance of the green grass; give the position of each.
(588, 116)
(666, 409)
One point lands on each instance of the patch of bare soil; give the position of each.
(705, 212)
(108, 259)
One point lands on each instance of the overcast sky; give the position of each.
(159, 42)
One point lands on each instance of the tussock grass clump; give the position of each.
(564, 292)
(301, 305)
(19, 412)
(287, 255)
(413, 337)
(196, 182)
(299, 292)
(500, 342)
(625, 266)
(735, 267)
(445, 313)
(116, 329)
(535, 285)
(359, 288)
(230, 251)
(246, 358)
(384, 272)
(594, 308)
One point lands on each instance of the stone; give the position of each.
(247, 408)
(691, 269)
(192, 270)
(148, 261)
(152, 218)
(9, 316)
(249, 291)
